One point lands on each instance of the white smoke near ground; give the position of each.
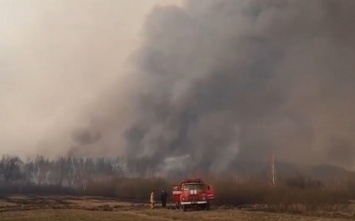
(174, 166)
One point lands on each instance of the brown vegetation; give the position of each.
(290, 196)
(103, 177)
(99, 208)
(287, 196)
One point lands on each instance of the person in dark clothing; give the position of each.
(163, 198)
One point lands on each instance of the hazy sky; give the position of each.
(55, 57)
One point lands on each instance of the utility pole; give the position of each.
(273, 170)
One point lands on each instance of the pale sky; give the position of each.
(56, 56)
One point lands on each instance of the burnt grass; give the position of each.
(28, 203)
(22, 203)
(298, 196)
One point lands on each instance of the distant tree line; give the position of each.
(71, 172)
(111, 177)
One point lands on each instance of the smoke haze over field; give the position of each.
(56, 58)
(217, 81)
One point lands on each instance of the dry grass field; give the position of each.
(100, 209)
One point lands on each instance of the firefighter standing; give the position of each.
(152, 201)
(163, 197)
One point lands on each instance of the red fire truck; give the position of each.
(193, 193)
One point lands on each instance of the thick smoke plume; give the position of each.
(220, 81)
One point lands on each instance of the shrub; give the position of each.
(296, 195)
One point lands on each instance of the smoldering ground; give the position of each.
(220, 81)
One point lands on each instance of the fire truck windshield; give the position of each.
(193, 187)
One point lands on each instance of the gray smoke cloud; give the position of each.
(219, 81)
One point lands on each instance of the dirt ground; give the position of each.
(94, 209)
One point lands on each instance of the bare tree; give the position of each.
(10, 168)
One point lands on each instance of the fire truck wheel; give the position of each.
(183, 208)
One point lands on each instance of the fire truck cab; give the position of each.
(193, 193)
